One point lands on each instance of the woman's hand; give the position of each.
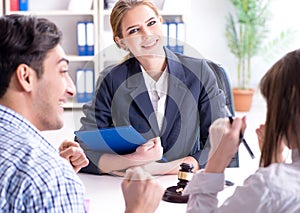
(150, 151)
(281, 156)
(146, 153)
(73, 153)
(260, 132)
(225, 140)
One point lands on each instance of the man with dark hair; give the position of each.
(34, 83)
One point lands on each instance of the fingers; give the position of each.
(137, 173)
(75, 156)
(146, 146)
(152, 143)
(66, 144)
(236, 124)
(149, 152)
(79, 159)
(222, 127)
(244, 124)
(260, 132)
(141, 192)
(157, 141)
(237, 127)
(69, 152)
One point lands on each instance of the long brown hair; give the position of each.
(281, 88)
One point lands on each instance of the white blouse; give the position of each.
(275, 188)
(158, 94)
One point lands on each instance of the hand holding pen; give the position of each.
(224, 143)
(242, 139)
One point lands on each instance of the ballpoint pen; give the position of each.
(242, 139)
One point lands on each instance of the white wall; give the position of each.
(1, 8)
(71, 123)
(206, 32)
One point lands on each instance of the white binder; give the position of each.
(81, 38)
(90, 38)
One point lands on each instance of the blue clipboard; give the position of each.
(120, 140)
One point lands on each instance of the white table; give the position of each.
(105, 192)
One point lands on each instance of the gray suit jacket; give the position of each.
(194, 101)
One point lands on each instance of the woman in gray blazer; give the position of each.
(171, 99)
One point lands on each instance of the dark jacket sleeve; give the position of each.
(211, 107)
(89, 122)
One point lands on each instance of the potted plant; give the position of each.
(246, 30)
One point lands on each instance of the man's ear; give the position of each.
(25, 76)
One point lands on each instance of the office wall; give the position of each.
(1, 8)
(206, 32)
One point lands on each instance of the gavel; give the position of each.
(173, 194)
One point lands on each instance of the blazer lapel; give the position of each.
(140, 96)
(176, 91)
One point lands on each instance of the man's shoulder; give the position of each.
(37, 168)
(29, 156)
(40, 181)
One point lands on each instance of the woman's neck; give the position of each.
(154, 66)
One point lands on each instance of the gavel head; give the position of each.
(185, 174)
(174, 193)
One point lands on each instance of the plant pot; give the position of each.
(242, 99)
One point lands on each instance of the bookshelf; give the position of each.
(105, 50)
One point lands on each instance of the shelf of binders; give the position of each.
(175, 33)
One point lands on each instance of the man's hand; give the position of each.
(73, 153)
(142, 193)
